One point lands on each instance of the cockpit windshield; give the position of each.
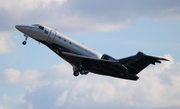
(38, 26)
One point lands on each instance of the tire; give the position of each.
(82, 72)
(24, 42)
(76, 73)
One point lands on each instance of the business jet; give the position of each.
(84, 59)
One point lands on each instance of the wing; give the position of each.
(102, 67)
(80, 59)
(138, 62)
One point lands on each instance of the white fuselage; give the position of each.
(46, 34)
(75, 46)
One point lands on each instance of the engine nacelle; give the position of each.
(107, 57)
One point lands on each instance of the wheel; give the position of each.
(86, 73)
(24, 42)
(83, 72)
(76, 73)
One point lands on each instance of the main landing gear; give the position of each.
(78, 70)
(25, 41)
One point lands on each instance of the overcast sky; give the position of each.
(33, 77)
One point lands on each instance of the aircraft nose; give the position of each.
(23, 28)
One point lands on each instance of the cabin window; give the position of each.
(70, 43)
(41, 27)
(64, 40)
(46, 31)
(59, 37)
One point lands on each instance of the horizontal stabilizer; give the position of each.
(138, 62)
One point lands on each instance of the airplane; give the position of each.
(84, 59)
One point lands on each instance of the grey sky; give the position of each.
(85, 15)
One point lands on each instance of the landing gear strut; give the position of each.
(25, 41)
(76, 71)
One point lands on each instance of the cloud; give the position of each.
(58, 88)
(80, 15)
(9, 5)
(15, 77)
(4, 104)
(61, 99)
(6, 44)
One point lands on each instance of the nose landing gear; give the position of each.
(25, 41)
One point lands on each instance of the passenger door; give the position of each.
(51, 36)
